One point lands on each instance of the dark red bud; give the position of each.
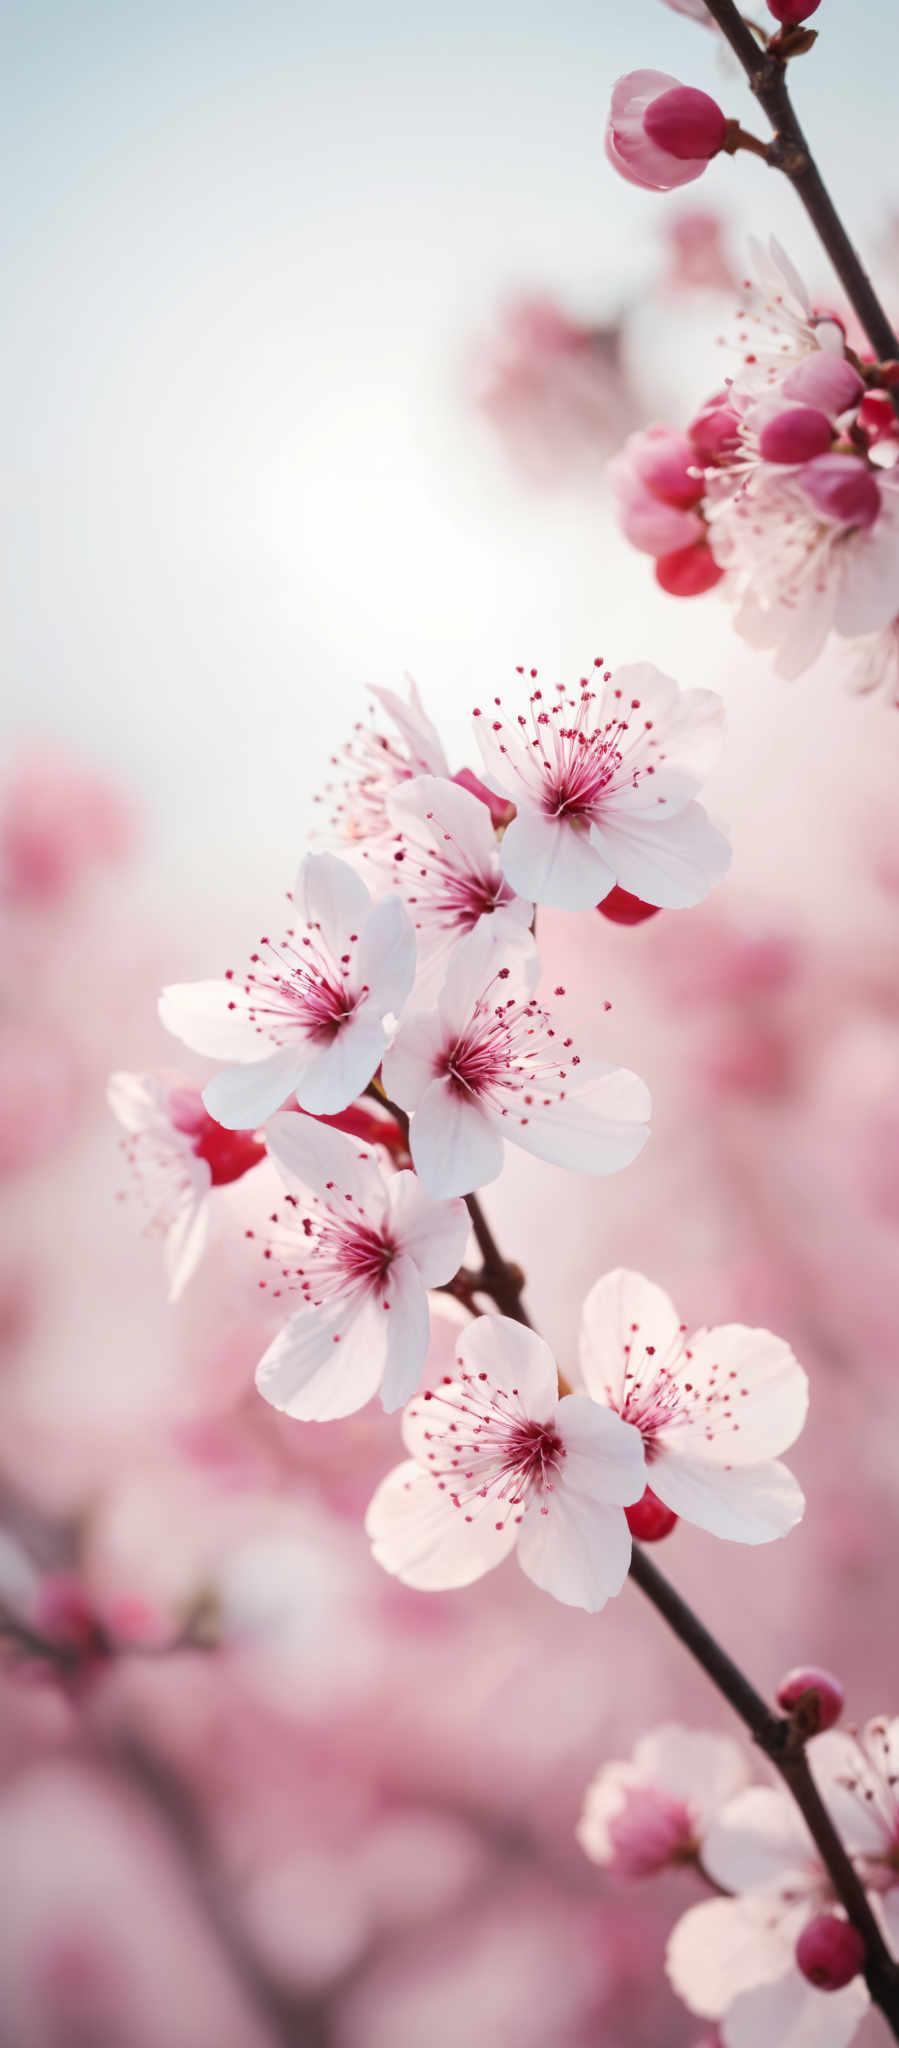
(789, 12)
(648, 1518)
(830, 1952)
(685, 122)
(688, 571)
(812, 1696)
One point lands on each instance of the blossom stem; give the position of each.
(782, 1743)
(790, 153)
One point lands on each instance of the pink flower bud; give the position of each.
(648, 1518)
(620, 907)
(795, 435)
(843, 488)
(830, 1952)
(789, 12)
(815, 1697)
(715, 432)
(228, 1154)
(688, 571)
(650, 1832)
(663, 460)
(501, 811)
(685, 122)
(825, 381)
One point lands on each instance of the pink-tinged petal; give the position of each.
(477, 961)
(793, 2014)
(629, 148)
(244, 1097)
(759, 1396)
(385, 961)
(599, 1126)
(578, 1549)
(421, 1538)
(410, 1064)
(671, 861)
(693, 1765)
(515, 1360)
(336, 1073)
(603, 1455)
(843, 1776)
(205, 1016)
(717, 1950)
(330, 894)
(447, 808)
(434, 1234)
(325, 1362)
(553, 862)
(760, 1840)
(325, 1162)
(508, 766)
(405, 1311)
(687, 726)
(455, 1146)
(187, 1238)
(623, 1313)
(414, 728)
(751, 1504)
(140, 1101)
(867, 595)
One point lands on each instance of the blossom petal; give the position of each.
(673, 861)
(603, 1455)
(315, 1158)
(760, 1839)
(411, 1062)
(385, 962)
(477, 962)
(752, 1376)
(792, 2013)
(241, 1098)
(577, 1549)
(421, 1538)
(623, 1314)
(140, 1101)
(325, 1362)
(329, 894)
(433, 1233)
(448, 809)
(750, 1504)
(187, 1238)
(336, 1073)
(405, 1308)
(717, 1950)
(455, 1145)
(205, 1016)
(598, 1125)
(551, 861)
(693, 1765)
(866, 598)
(515, 1361)
(414, 727)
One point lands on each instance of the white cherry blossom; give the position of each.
(444, 859)
(307, 1016)
(375, 762)
(354, 1256)
(779, 328)
(489, 1064)
(858, 1775)
(714, 1409)
(605, 780)
(498, 1463)
(656, 1809)
(177, 1154)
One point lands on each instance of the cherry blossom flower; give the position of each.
(374, 762)
(604, 780)
(178, 1154)
(655, 1810)
(307, 1018)
(359, 1251)
(498, 1462)
(734, 1959)
(714, 1409)
(660, 133)
(779, 328)
(858, 1775)
(444, 859)
(659, 484)
(489, 1064)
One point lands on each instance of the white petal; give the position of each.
(244, 1097)
(515, 1361)
(551, 861)
(598, 1127)
(208, 1017)
(476, 962)
(417, 1534)
(622, 1310)
(579, 1550)
(836, 1758)
(317, 1158)
(405, 1311)
(759, 1840)
(385, 962)
(455, 1145)
(701, 1769)
(603, 1455)
(411, 1062)
(139, 1101)
(325, 1362)
(766, 1418)
(792, 2014)
(433, 1233)
(336, 1073)
(187, 1238)
(717, 1950)
(328, 893)
(414, 727)
(750, 1504)
(867, 596)
(448, 809)
(671, 861)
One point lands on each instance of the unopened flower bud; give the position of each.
(665, 461)
(648, 1518)
(795, 435)
(620, 907)
(501, 811)
(685, 122)
(843, 488)
(815, 1697)
(715, 432)
(825, 381)
(830, 1952)
(688, 571)
(789, 12)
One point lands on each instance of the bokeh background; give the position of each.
(277, 427)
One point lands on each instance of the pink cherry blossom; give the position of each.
(780, 330)
(444, 859)
(714, 1409)
(307, 1017)
(656, 1809)
(489, 1064)
(604, 780)
(497, 1462)
(177, 1154)
(858, 1774)
(358, 1251)
(660, 133)
(374, 762)
(658, 482)
(734, 1959)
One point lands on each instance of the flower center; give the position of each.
(298, 986)
(486, 1452)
